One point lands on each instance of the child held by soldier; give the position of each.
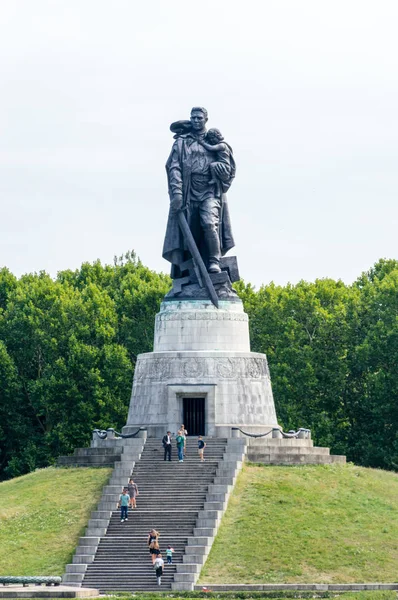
(215, 143)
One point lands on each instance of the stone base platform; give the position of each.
(38, 591)
(274, 451)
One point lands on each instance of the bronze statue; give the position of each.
(200, 170)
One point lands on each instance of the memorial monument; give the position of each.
(201, 371)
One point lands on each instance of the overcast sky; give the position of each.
(305, 91)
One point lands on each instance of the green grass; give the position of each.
(42, 516)
(308, 524)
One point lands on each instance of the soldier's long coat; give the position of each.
(179, 177)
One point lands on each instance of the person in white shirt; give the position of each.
(158, 566)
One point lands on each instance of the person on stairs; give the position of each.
(158, 566)
(124, 501)
(153, 544)
(184, 433)
(133, 492)
(201, 448)
(166, 441)
(180, 439)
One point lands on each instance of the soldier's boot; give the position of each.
(213, 249)
(214, 267)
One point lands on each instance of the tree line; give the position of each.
(68, 347)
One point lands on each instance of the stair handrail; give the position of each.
(103, 433)
(254, 435)
(294, 434)
(289, 434)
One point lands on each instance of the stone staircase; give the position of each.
(183, 501)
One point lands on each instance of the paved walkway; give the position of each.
(43, 591)
(296, 587)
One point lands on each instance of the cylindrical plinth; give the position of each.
(198, 325)
(202, 359)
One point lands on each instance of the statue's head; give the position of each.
(214, 136)
(198, 118)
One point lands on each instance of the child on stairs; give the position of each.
(158, 566)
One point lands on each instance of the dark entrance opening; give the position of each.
(194, 415)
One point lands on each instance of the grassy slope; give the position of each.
(283, 524)
(332, 523)
(42, 516)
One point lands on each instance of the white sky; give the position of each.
(305, 91)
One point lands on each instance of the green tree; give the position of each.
(7, 284)
(13, 430)
(136, 291)
(303, 331)
(72, 372)
(372, 391)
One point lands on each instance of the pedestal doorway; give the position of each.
(194, 415)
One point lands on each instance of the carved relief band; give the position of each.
(177, 368)
(201, 316)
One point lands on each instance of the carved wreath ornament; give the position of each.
(192, 367)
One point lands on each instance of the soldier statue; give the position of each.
(200, 170)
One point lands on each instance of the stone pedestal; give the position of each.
(202, 352)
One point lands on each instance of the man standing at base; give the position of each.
(166, 441)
